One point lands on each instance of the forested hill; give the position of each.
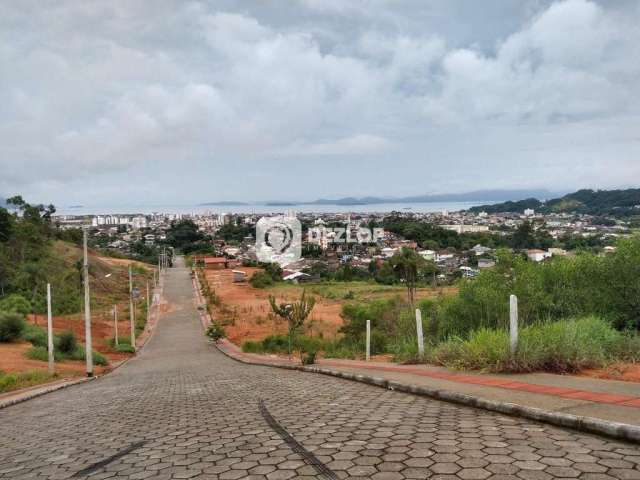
(620, 203)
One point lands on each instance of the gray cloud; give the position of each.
(102, 100)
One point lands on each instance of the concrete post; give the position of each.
(419, 333)
(50, 332)
(88, 347)
(513, 324)
(368, 353)
(115, 323)
(132, 321)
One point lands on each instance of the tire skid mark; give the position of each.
(308, 457)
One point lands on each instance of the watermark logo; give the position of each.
(278, 240)
(336, 235)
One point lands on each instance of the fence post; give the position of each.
(50, 332)
(368, 354)
(513, 324)
(419, 333)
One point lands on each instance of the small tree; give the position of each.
(294, 313)
(407, 264)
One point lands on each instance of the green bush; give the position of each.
(14, 381)
(121, 341)
(561, 346)
(309, 358)
(8, 382)
(12, 326)
(67, 343)
(80, 354)
(251, 346)
(35, 335)
(42, 354)
(261, 280)
(215, 331)
(15, 303)
(125, 348)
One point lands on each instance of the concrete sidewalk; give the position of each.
(607, 400)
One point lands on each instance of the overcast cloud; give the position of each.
(178, 102)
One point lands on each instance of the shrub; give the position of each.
(14, 381)
(561, 346)
(261, 280)
(251, 346)
(8, 382)
(215, 331)
(15, 303)
(12, 326)
(309, 358)
(80, 353)
(42, 354)
(67, 343)
(121, 341)
(125, 348)
(35, 335)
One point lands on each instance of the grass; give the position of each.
(15, 381)
(563, 346)
(334, 290)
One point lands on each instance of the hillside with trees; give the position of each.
(33, 252)
(617, 203)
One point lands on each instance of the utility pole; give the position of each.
(368, 342)
(115, 322)
(131, 312)
(50, 332)
(87, 308)
(148, 302)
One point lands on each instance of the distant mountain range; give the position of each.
(619, 203)
(475, 196)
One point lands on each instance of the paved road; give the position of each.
(183, 410)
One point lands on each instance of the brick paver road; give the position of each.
(183, 410)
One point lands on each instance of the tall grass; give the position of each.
(561, 346)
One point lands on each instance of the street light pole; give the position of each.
(115, 323)
(87, 308)
(50, 352)
(131, 312)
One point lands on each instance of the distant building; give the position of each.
(428, 255)
(466, 228)
(529, 212)
(536, 255)
(486, 263)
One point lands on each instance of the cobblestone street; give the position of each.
(183, 410)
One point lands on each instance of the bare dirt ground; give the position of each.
(246, 312)
(626, 372)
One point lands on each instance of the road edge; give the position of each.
(616, 430)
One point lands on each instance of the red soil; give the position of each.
(626, 372)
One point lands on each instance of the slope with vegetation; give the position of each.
(617, 203)
(34, 252)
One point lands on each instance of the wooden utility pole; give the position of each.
(87, 308)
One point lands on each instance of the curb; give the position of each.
(616, 430)
(39, 392)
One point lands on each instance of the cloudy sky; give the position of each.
(116, 102)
